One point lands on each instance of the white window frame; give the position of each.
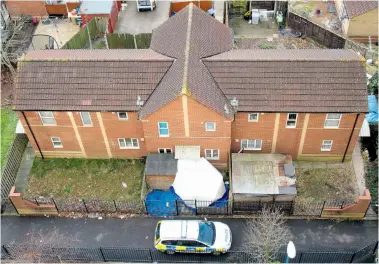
(56, 140)
(334, 119)
(327, 144)
(52, 117)
(126, 147)
(206, 128)
(212, 154)
(159, 129)
(252, 120)
(89, 115)
(288, 116)
(121, 118)
(255, 144)
(164, 150)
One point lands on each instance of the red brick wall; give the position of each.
(243, 129)
(197, 115)
(289, 138)
(131, 128)
(31, 7)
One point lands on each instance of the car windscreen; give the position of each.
(207, 233)
(157, 231)
(144, 3)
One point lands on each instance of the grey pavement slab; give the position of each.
(133, 22)
(138, 232)
(24, 170)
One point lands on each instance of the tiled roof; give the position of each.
(189, 36)
(315, 81)
(356, 8)
(88, 80)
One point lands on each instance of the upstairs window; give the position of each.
(291, 120)
(57, 143)
(163, 129)
(164, 150)
(47, 118)
(128, 143)
(86, 118)
(251, 144)
(253, 117)
(210, 126)
(326, 145)
(122, 115)
(332, 120)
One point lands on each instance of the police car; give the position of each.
(192, 236)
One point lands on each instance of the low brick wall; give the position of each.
(357, 210)
(26, 207)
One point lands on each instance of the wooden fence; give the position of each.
(326, 37)
(129, 41)
(10, 171)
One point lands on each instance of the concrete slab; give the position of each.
(62, 30)
(319, 165)
(133, 22)
(242, 28)
(25, 167)
(335, 165)
(304, 165)
(358, 166)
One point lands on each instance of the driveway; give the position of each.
(134, 22)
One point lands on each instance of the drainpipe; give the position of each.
(31, 131)
(351, 135)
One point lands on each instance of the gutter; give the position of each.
(31, 131)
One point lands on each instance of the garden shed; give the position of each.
(160, 170)
(108, 9)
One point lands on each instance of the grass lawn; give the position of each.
(326, 183)
(86, 178)
(8, 127)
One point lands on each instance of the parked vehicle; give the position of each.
(146, 5)
(192, 236)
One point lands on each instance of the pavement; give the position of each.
(312, 235)
(133, 22)
(359, 167)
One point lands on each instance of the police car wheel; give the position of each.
(170, 252)
(216, 253)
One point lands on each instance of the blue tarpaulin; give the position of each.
(372, 116)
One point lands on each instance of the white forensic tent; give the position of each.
(198, 180)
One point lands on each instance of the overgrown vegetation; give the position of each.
(86, 178)
(267, 46)
(8, 127)
(371, 170)
(372, 87)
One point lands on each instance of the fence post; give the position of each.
(195, 207)
(115, 206)
(135, 42)
(342, 204)
(85, 206)
(323, 206)
(151, 255)
(35, 199)
(56, 207)
(375, 248)
(102, 254)
(301, 255)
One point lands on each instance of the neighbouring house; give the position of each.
(359, 19)
(192, 89)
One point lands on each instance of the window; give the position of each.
(212, 154)
(332, 120)
(251, 144)
(253, 117)
(210, 126)
(326, 145)
(163, 129)
(164, 150)
(86, 118)
(128, 143)
(57, 143)
(291, 120)
(47, 118)
(122, 115)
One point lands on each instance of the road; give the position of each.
(138, 232)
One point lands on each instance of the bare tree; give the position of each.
(14, 41)
(265, 235)
(42, 246)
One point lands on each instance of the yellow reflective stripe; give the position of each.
(200, 249)
(220, 249)
(160, 246)
(181, 248)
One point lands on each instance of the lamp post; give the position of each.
(291, 251)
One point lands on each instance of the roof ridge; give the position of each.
(185, 89)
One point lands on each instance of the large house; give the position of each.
(192, 89)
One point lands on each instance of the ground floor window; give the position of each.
(164, 150)
(326, 145)
(57, 143)
(251, 144)
(128, 143)
(212, 154)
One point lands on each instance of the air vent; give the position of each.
(226, 109)
(140, 102)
